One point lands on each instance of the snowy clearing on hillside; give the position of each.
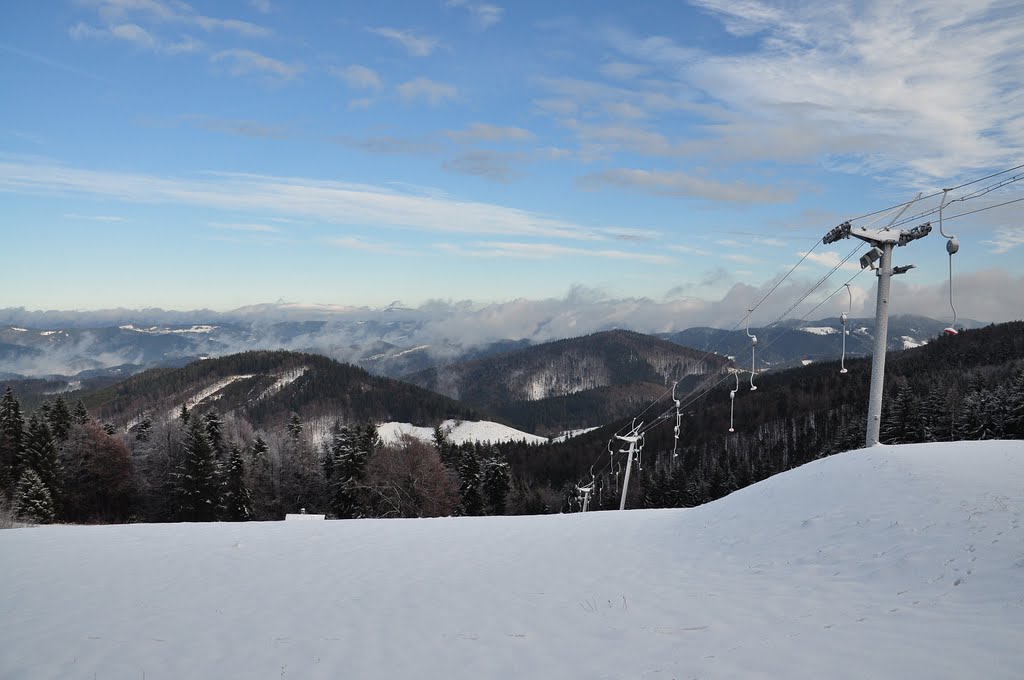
(911, 343)
(819, 330)
(459, 432)
(891, 562)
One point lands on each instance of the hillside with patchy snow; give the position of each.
(891, 562)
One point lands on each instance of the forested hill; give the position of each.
(820, 340)
(567, 384)
(969, 386)
(265, 388)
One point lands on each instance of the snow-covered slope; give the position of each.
(460, 432)
(894, 562)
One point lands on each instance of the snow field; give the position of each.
(893, 562)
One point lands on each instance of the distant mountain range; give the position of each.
(392, 343)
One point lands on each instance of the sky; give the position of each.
(155, 153)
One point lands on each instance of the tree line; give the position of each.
(59, 464)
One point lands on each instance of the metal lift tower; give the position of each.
(882, 243)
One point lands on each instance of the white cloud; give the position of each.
(246, 226)
(413, 43)
(895, 87)
(483, 14)
(830, 259)
(621, 70)
(429, 90)
(358, 77)
(481, 132)
(1006, 239)
(547, 251)
(679, 184)
(175, 12)
(95, 218)
(261, 6)
(491, 165)
(137, 36)
(298, 198)
(246, 62)
(742, 259)
(380, 247)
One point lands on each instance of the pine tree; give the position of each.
(237, 500)
(144, 429)
(295, 427)
(59, 419)
(196, 480)
(80, 415)
(184, 414)
(348, 463)
(469, 482)
(40, 455)
(1015, 406)
(265, 500)
(496, 483)
(32, 500)
(12, 434)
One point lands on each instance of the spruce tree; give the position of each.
(80, 415)
(469, 482)
(496, 483)
(59, 419)
(12, 434)
(237, 500)
(265, 501)
(32, 500)
(349, 456)
(40, 456)
(144, 429)
(196, 484)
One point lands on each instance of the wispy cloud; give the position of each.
(491, 165)
(1006, 239)
(137, 36)
(482, 14)
(358, 77)
(679, 184)
(247, 62)
(261, 6)
(246, 226)
(547, 251)
(297, 198)
(876, 88)
(741, 258)
(482, 132)
(388, 144)
(173, 12)
(428, 90)
(245, 128)
(94, 218)
(379, 247)
(830, 259)
(415, 44)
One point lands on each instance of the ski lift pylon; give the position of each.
(753, 347)
(952, 246)
(732, 400)
(844, 317)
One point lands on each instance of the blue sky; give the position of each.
(157, 153)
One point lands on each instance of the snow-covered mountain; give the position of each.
(393, 342)
(888, 562)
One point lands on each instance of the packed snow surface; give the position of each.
(460, 432)
(892, 562)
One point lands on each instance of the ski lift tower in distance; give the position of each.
(882, 242)
(632, 438)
